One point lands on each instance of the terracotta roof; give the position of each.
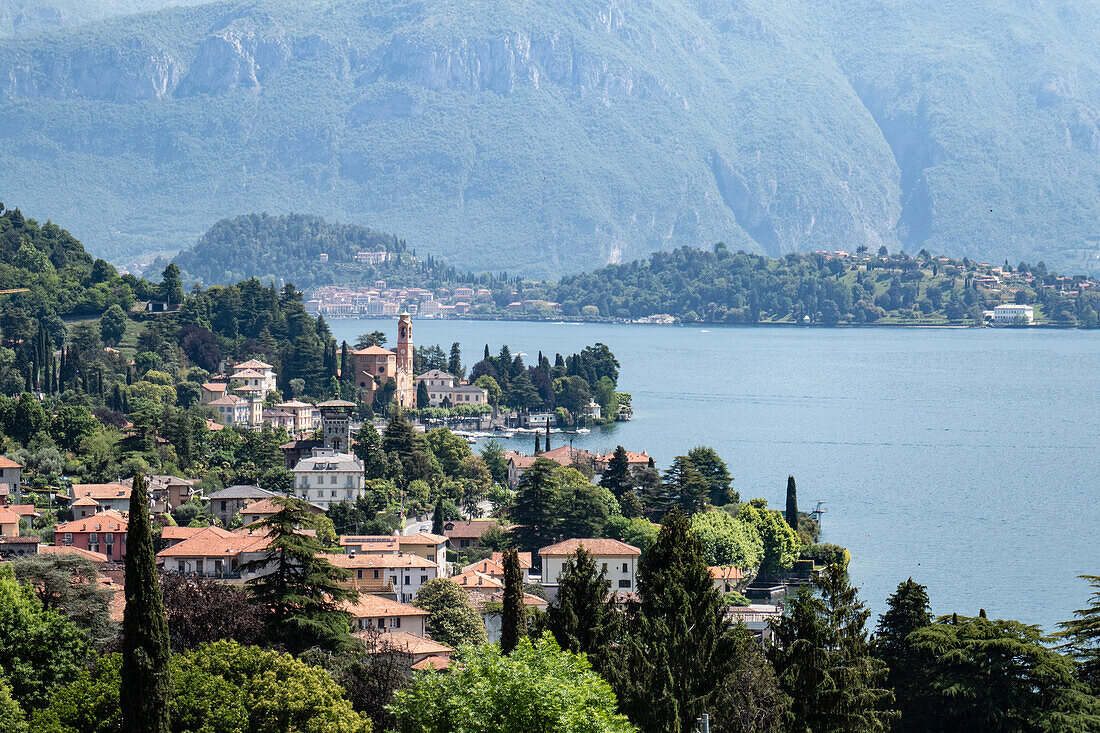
(469, 529)
(106, 521)
(253, 364)
(369, 560)
(726, 573)
(422, 538)
(86, 501)
(8, 517)
(215, 386)
(293, 405)
(481, 597)
(179, 533)
(215, 426)
(491, 568)
(263, 506)
(373, 351)
(99, 492)
(9, 463)
(24, 510)
(229, 399)
(524, 560)
(242, 373)
(523, 462)
(406, 642)
(473, 579)
(631, 457)
(371, 606)
(593, 546)
(437, 663)
(69, 550)
(215, 542)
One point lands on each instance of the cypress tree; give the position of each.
(547, 446)
(538, 446)
(145, 682)
(514, 615)
(792, 504)
(437, 517)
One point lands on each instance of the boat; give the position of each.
(583, 431)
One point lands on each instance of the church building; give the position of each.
(374, 365)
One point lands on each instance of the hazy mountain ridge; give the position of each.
(562, 135)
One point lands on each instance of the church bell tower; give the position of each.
(406, 385)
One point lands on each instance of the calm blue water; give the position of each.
(966, 459)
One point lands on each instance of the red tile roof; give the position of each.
(9, 463)
(99, 492)
(437, 663)
(422, 538)
(69, 550)
(474, 579)
(371, 606)
(215, 542)
(106, 521)
(369, 560)
(593, 546)
(524, 560)
(403, 641)
(726, 573)
(469, 529)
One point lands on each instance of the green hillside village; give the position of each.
(348, 271)
(216, 518)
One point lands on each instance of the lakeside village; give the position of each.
(995, 283)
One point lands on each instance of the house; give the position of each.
(563, 456)
(215, 553)
(279, 419)
(446, 390)
(304, 415)
(9, 522)
(114, 496)
(83, 507)
(11, 477)
(228, 502)
(386, 616)
(526, 564)
(232, 410)
(171, 491)
(756, 618)
(727, 579)
(431, 547)
(257, 375)
(633, 460)
(212, 391)
(259, 510)
(329, 477)
(402, 573)
(379, 544)
(420, 652)
(103, 532)
(1010, 315)
(617, 561)
(466, 533)
(171, 535)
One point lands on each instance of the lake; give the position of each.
(965, 458)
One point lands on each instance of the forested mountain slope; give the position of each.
(558, 135)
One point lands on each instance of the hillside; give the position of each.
(560, 135)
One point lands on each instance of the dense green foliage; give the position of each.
(220, 687)
(538, 687)
(39, 648)
(68, 584)
(583, 616)
(627, 131)
(1081, 637)
(513, 626)
(451, 618)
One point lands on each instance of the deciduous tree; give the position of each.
(451, 618)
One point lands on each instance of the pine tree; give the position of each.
(906, 611)
(616, 478)
(300, 590)
(454, 363)
(1082, 637)
(792, 504)
(437, 518)
(514, 614)
(714, 471)
(679, 646)
(583, 616)
(146, 679)
(823, 660)
(682, 487)
(536, 509)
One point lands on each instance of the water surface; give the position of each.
(965, 458)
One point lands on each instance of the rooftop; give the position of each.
(599, 547)
(106, 521)
(371, 606)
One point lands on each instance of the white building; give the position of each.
(446, 390)
(617, 561)
(328, 477)
(257, 374)
(232, 410)
(1006, 315)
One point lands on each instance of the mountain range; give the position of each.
(552, 136)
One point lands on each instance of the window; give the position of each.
(393, 579)
(68, 538)
(198, 567)
(223, 505)
(624, 583)
(376, 575)
(395, 623)
(110, 538)
(359, 574)
(431, 556)
(407, 581)
(381, 623)
(181, 566)
(332, 480)
(333, 493)
(92, 539)
(626, 568)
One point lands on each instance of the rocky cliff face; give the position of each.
(582, 133)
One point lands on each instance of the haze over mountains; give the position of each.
(556, 135)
